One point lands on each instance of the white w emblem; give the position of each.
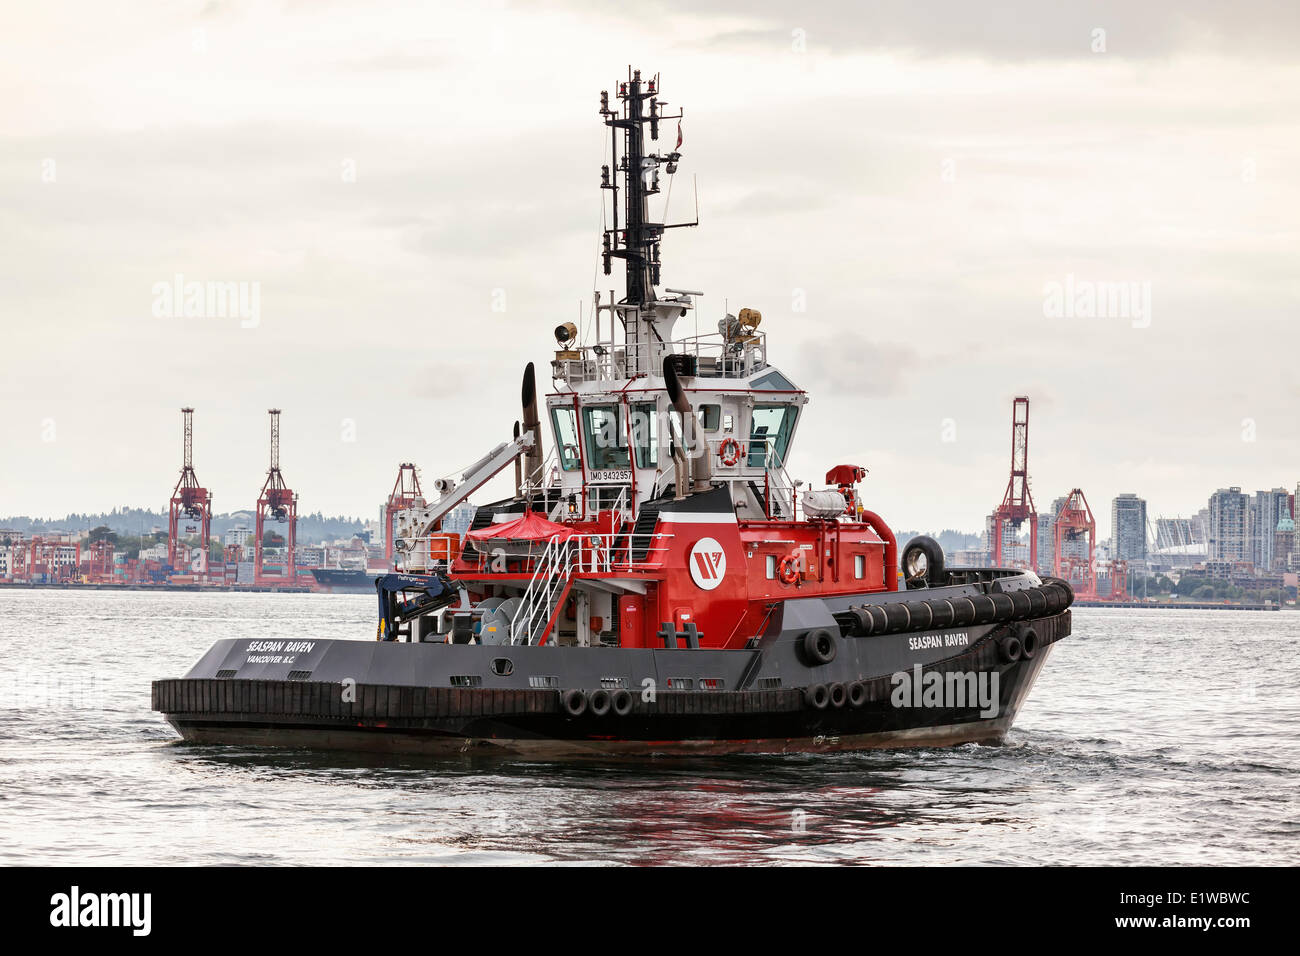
(708, 564)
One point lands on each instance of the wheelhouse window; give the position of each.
(606, 440)
(645, 434)
(710, 417)
(565, 421)
(769, 434)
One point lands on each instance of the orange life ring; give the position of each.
(729, 451)
(789, 569)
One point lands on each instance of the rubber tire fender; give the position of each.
(862, 623)
(934, 573)
(621, 701)
(817, 696)
(921, 614)
(838, 694)
(857, 694)
(963, 611)
(1010, 649)
(818, 647)
(574, 702)
(986, 612)
(1029, 643)
(941, 614)
(1020, 604)
(1004, 609)
(599, 702)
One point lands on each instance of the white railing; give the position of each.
(588, 553)
(781, 492)
(559, 560)
(549, 581)
(715, 356)
(431, 550)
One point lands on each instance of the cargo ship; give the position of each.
(345, 580)
(657, 584)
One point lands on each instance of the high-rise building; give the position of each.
(1046, 543)
(1128, 528)
(1201, 526)
(1267, 509)
(1283, 544)
(1228, 530)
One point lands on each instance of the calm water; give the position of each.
(1151, 738)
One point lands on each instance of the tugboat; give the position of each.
(657, 584)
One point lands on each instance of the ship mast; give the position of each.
(636, 239)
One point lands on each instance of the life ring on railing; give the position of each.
(788, 571)
(729, 452)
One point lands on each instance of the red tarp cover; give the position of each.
(531, 526)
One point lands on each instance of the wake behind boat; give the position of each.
(658, 583)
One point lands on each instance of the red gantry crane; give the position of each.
(192, 502)
(1017, 504)
(406, 493)
(278, 503)
(1074, 524)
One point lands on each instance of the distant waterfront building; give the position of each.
(1283, 544)
(458, 519)
(1128, 528)
(239, 534)
(1228, 537)
(1201, 526)
(1267, 509)
(969, 558)
(1046, 543)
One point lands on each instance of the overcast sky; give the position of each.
(918, 174)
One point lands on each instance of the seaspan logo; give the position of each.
(708, 564)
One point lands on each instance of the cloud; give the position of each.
(1009, 31)
(847, 363)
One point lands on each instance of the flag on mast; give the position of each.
(679, 134)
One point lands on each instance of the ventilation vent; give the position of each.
(225, 675)
(712, 683)
(613, 682)
(466, 680)
(681, 683)
(299, 675)
(767, 683)
(538, 681)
